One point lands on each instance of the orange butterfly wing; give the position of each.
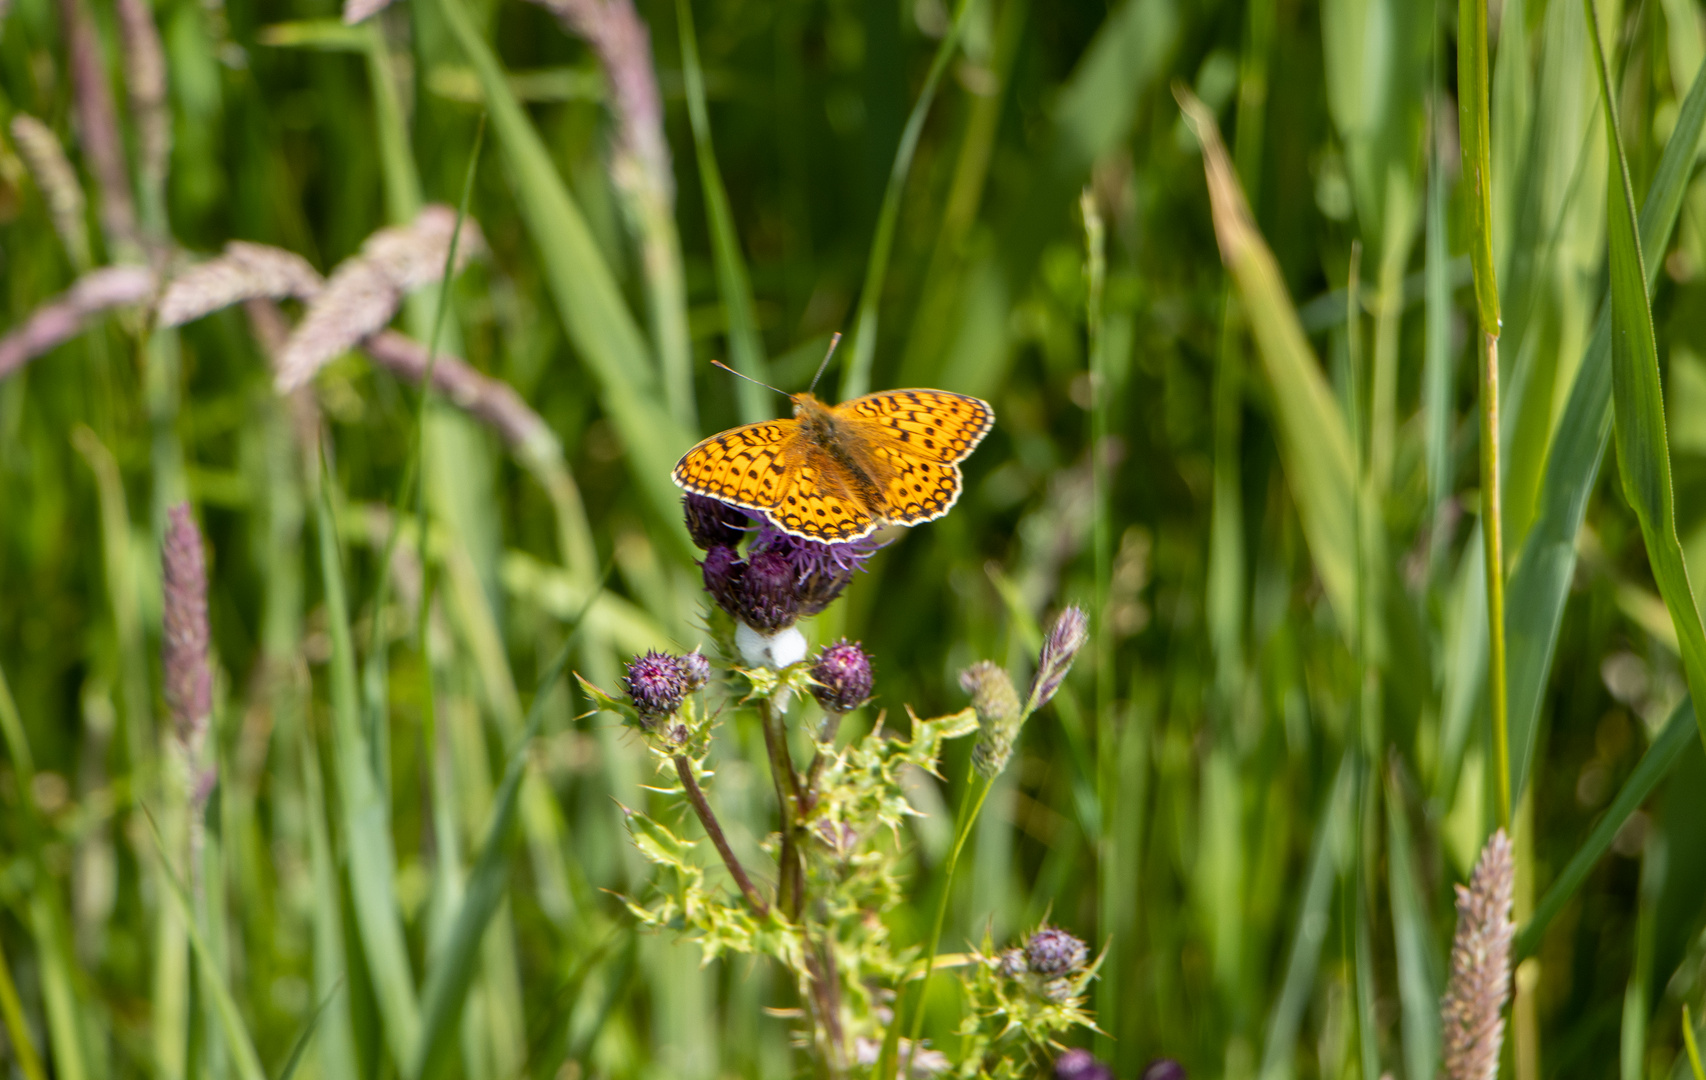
(770, 468)
(932, 425)
(915, 440)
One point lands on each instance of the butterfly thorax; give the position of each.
(827, 432)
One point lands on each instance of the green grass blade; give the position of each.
(1315, 445)
(746, 344)
(372, 863)
(23, 1047)
(302, 1040)
(586, 294)
(337, 1042)
(1653, 767)
(212, 978)
(1437, 366)
(863, 348)
(1476, 142)
(1540, 582)
(1310, 930)
(1693, 1049)
(453, 968)
(1643, 453)
(1413, 940)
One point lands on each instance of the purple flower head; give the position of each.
(821, 570)
(1052, 952)
(782, 578)
(710, 522)
(1080, 1065)
(1069, 633)
(655, 684)
(1164, 1069)
(695, 670)
(842, 677)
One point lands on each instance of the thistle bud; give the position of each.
(1069, 633)
(655, 685)
(712, 523)
(766, 596)
(722, 569)
(842, 677)
(1080, 1065)
(1011, 963)
(1058, 991)
(1052, 952)
(695, 670)
(1164, 1069)
(998, 715)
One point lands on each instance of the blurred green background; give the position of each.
(1254, 799)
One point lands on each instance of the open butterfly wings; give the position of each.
(909, 441)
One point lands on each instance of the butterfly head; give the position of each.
(813, 416)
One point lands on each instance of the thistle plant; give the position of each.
(838, 848)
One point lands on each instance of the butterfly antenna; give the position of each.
(834, 340)
(748, 378)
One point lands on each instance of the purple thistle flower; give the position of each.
(189, 680)
(822, 571)
(1052, 952)
(842, 677)
(710, 522)
(783, 577)
(1080, 1065)
(1069, 633)
(655, 684)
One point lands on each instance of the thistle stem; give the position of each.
(791, 875)
(714, 829)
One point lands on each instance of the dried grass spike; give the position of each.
(64, 317)
(494, 403)
(365, 291)
(359, 11)
(624, 47)
(184, 640)
(413, 255)
(1472, 1011)
(57, 180)
(97, 130)
(145, 77)
(244, 272)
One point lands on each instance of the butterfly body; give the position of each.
(835, 472)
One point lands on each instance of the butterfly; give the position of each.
(835, 472)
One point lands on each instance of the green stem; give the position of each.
(977, 790)
(1492, 533)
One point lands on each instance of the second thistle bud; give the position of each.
(712, 523)
(655, 685)
(841, 678)
(1052, 953)
(998, 715)
(695, 670)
